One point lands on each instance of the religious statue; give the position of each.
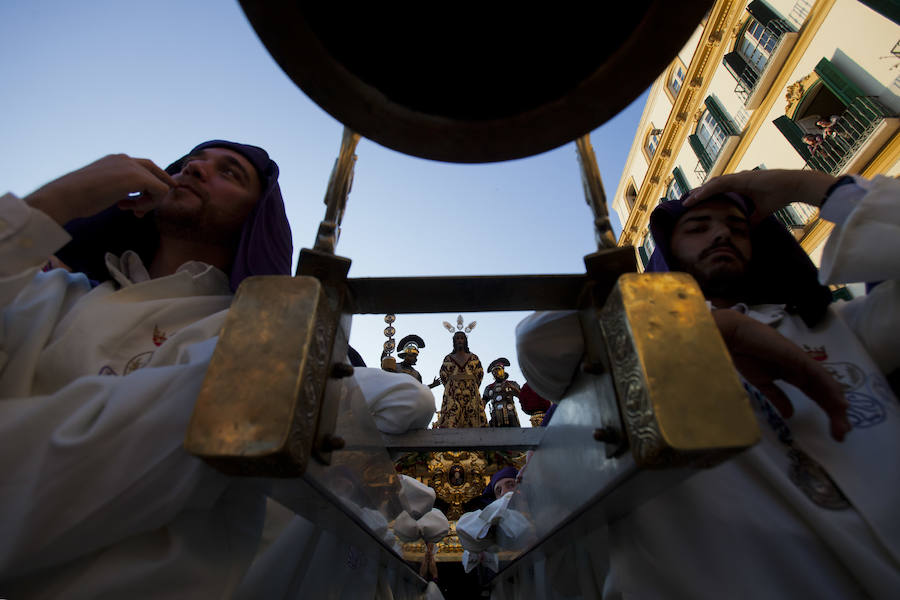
(409, 353)
(500, 394)
(461, 373)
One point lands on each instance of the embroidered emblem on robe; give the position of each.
(159, 336)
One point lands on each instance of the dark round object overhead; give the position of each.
(468, 82)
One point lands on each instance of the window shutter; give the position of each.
(700, 151)
(739, 69)
(644, 258)
(835, 81)
(681, 180)
(888, 8)
(721, 116)
(762, 12)
(794, 135)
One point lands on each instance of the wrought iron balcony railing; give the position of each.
(840, 142)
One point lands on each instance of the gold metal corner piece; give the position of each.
(679, 395)
(257, 411)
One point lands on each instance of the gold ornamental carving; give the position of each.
(457, 477)
(795, 93)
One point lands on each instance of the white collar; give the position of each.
(129, 270)
(770, 314)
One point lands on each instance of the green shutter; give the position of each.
(835, 81)
(721, 117)
(762, 12)
(794, 135)
(700, 151)
(739, 69)
(887, 8)
(681, 180)
(644, 258)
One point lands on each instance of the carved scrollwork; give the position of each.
(315, 377)
(646, 441)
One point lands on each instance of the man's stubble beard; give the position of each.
(193, 225)
(722, 281)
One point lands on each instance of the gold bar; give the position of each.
(679, 394)
(257, 411)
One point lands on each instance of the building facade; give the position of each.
(798, 84)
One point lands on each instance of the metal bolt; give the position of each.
(330, 443)
(341, 370)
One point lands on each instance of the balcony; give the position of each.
(753, 81)
(861, 131)
(708, 167)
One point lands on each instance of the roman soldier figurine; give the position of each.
(409, 352)
(500, 394)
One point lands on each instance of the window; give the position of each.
(649, 245)
(707, 140)
(756, 45)
(645, 250)
(676, 80)
(630, 195)
(711, 133)
(678, 186)
(652, 142)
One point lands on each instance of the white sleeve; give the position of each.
(98, 461)
(396, 400)
(28, 238)
(865, 247)
(865, 242)
(549, 346)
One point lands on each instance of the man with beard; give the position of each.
(802, 513)
(101, 363)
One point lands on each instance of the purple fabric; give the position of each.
(780, 271)
(549, 414)
(265, 246)
(507, 472)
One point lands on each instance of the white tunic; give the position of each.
(98, 499)
(770, 523)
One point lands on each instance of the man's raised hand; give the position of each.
(769, 189)
(137, 184)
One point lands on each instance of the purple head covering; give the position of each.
(507, 472)
(780, 272)
(264, 248)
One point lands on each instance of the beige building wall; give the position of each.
(858, 42)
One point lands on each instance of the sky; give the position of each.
(153, 79)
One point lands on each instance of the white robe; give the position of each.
(98, 498)
(750, 528)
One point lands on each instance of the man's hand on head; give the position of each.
(763, 355)
(769, 189)
(136, 184)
